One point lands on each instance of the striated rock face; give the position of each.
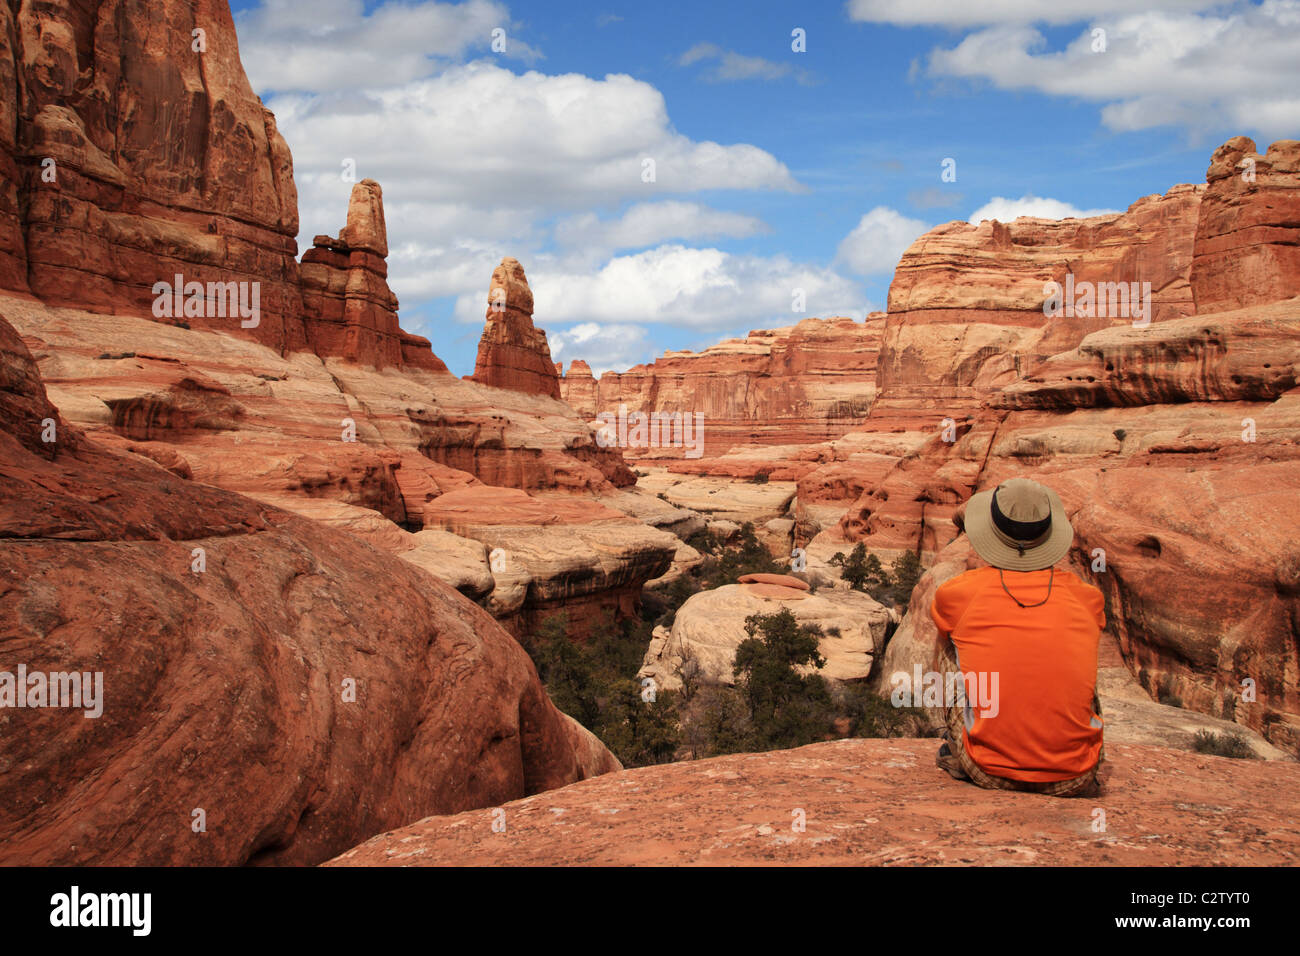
(512, 353)
(556, 556)
(128, 157)
(228, 635)
(139, 174)
(1248, 237)
(350, 310)
(365, 450)
(162, 163)
(966, 305)
(804, 383)
(875, 803)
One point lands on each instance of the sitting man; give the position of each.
(1029, 634)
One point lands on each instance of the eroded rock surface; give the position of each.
(300, 688)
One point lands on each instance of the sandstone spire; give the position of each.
(512, 353)
(350, 309)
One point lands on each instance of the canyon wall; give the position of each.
(965, 313)
(800, 384)
(137, 153)
(133, 152)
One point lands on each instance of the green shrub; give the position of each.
(907, 571)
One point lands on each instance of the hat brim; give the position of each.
(984, 538)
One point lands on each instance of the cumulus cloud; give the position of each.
(728, 65)
(603, 347)
(1006, 210)
(478, 161)
(687, 287)
(1237, 70)
(648, 224)
(336, 45)
(481, 136)
(948, 14)
(878, 241)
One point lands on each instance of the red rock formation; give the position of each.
(512, 353)
(133, 152)
(225, 684)
(669, 815)
(966, 304)
(805, 383)
(133, 149)
(349, 308)
(557, 556)
(164, 162)
(578, 388)
(1248, 236)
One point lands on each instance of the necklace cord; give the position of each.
(1051, 577)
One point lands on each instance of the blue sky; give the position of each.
(775, 170)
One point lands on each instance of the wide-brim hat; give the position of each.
(1020, 525)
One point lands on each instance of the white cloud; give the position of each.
(949, 14)
(1006, 210)
(603, 347)
(1237, 71)
(728, 65)
(478, 162)
(878, 241)
(681, 286)
(336, 45)
(481, 137)
(648, 224)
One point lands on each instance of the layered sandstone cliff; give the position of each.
(800, 384)
(134, 150)
(163, 167)
(966, 306)
(138, 168)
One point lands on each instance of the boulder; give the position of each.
(709, 627)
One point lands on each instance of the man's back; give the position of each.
(1044, 655)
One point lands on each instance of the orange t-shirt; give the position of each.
(1039, 663)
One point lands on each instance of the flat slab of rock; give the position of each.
(781, 580)
(873, 802)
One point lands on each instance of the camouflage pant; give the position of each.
(960, 764)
